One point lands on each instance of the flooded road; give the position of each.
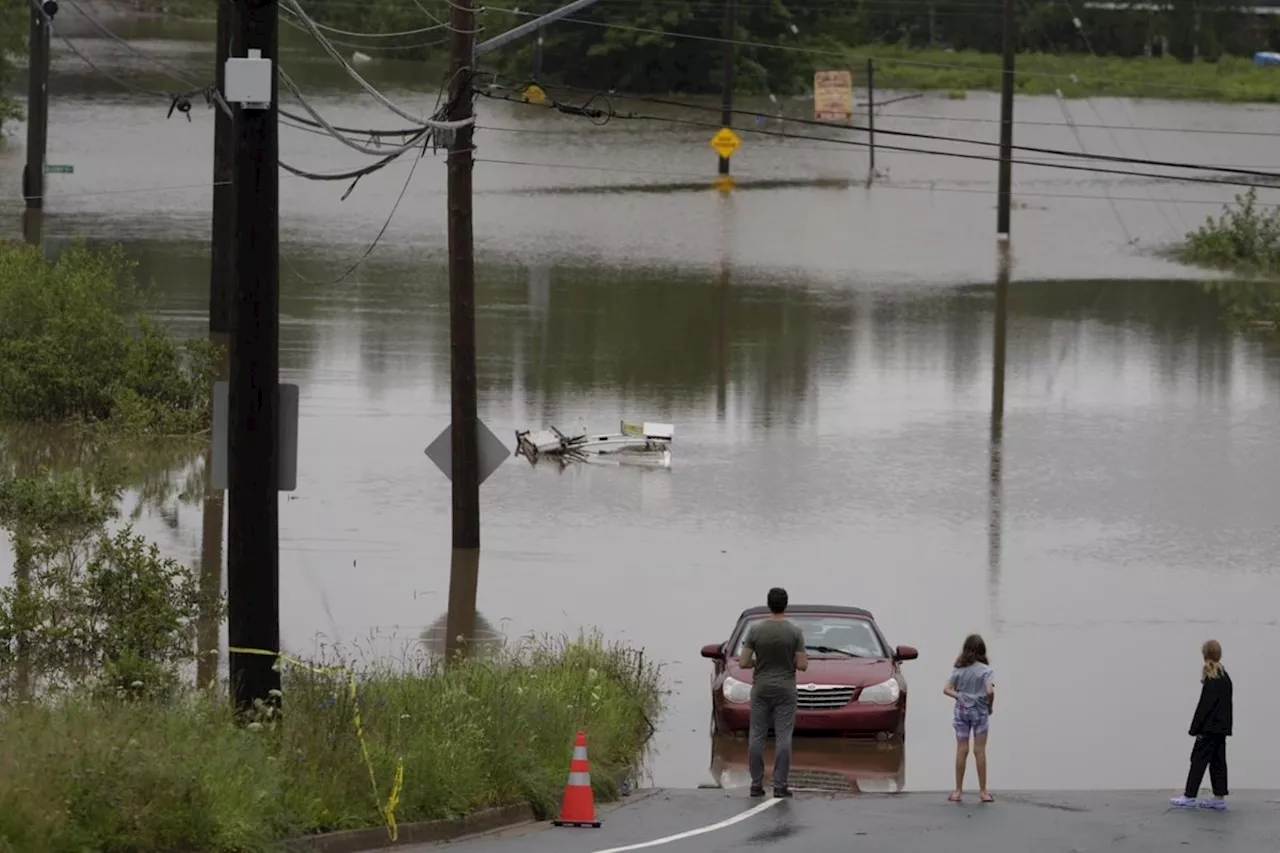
(825, 355)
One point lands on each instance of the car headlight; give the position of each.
(736, 691)
(884, 693)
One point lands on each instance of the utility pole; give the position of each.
(871, 118)
(37, 108)
(726, 108)
(462, 287)
(1006, 121)
(537, 57)
(253, 532)
(221, 273)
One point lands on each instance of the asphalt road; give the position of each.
(1043, 822)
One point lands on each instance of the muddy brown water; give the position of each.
(824, 351)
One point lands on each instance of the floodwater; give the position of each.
(825, 354)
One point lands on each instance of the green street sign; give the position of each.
(54, 169)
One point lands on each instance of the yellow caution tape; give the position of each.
(388, 811)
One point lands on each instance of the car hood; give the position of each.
(854, 672)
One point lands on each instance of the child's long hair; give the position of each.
(975, 651)
(1212, 653)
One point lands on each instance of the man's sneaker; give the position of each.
(782, 792)
(757, 791)
(1216, 805)
(1184, 803)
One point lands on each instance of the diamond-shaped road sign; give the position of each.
(492, 451)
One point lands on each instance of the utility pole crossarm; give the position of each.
(530, 27)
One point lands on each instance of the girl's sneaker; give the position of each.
(1184, 803)
(1216, 805)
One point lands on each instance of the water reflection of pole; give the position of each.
(209, 628)
(995, 473)
(33, 226)
(464, 580)
(722, 344)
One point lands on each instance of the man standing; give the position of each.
(774, 648)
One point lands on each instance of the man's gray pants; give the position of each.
(776, 711)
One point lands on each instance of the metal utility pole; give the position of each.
(253, 533)
(726, 108)
(37, 108)
(462, 287)
(1006, 121)
(221, 272)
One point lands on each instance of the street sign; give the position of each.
(833, 96)
(492, 451)
(54, 169)
(725, 142)
(534, 94)
(287, 442)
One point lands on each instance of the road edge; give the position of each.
(483, 822)
(423, 832)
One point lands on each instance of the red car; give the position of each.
(854, 685)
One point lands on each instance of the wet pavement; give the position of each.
(1034, 822)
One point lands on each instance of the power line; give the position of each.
(372, 90)
(572, 109)
(1138, 128)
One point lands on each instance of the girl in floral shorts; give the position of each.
(972, 685)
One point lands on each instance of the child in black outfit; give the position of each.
(1210, 726)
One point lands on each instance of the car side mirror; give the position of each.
(714, 651)
(906, 653)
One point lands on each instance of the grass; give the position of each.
(80, 774)
(1234, 79)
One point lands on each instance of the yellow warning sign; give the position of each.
(833, 96)
(534, 94)
(725, 142)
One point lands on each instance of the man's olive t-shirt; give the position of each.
(775, 643)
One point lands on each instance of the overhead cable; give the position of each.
(433, 123)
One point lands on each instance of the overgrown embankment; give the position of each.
(75, 346)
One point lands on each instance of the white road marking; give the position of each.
(739, 818)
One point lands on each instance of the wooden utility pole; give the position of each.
(37, 108)
(253, 518)
(462, 286)
(1005, 187)
(726, 93)
(871, 118)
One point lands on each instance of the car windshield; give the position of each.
(845, 635)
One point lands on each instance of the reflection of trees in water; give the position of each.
(159, 473)
(662, 337)
(1249, 306)
(485, 639)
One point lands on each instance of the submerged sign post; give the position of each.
(833, 96)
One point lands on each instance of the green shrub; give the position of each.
(98, 774)
(87, 606)
(73, 347)
(1244, 238)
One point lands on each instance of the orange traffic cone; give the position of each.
(578, 808)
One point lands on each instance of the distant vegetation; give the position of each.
(13, 50)
(1245, 238)
(75, 347)
(621, 46)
